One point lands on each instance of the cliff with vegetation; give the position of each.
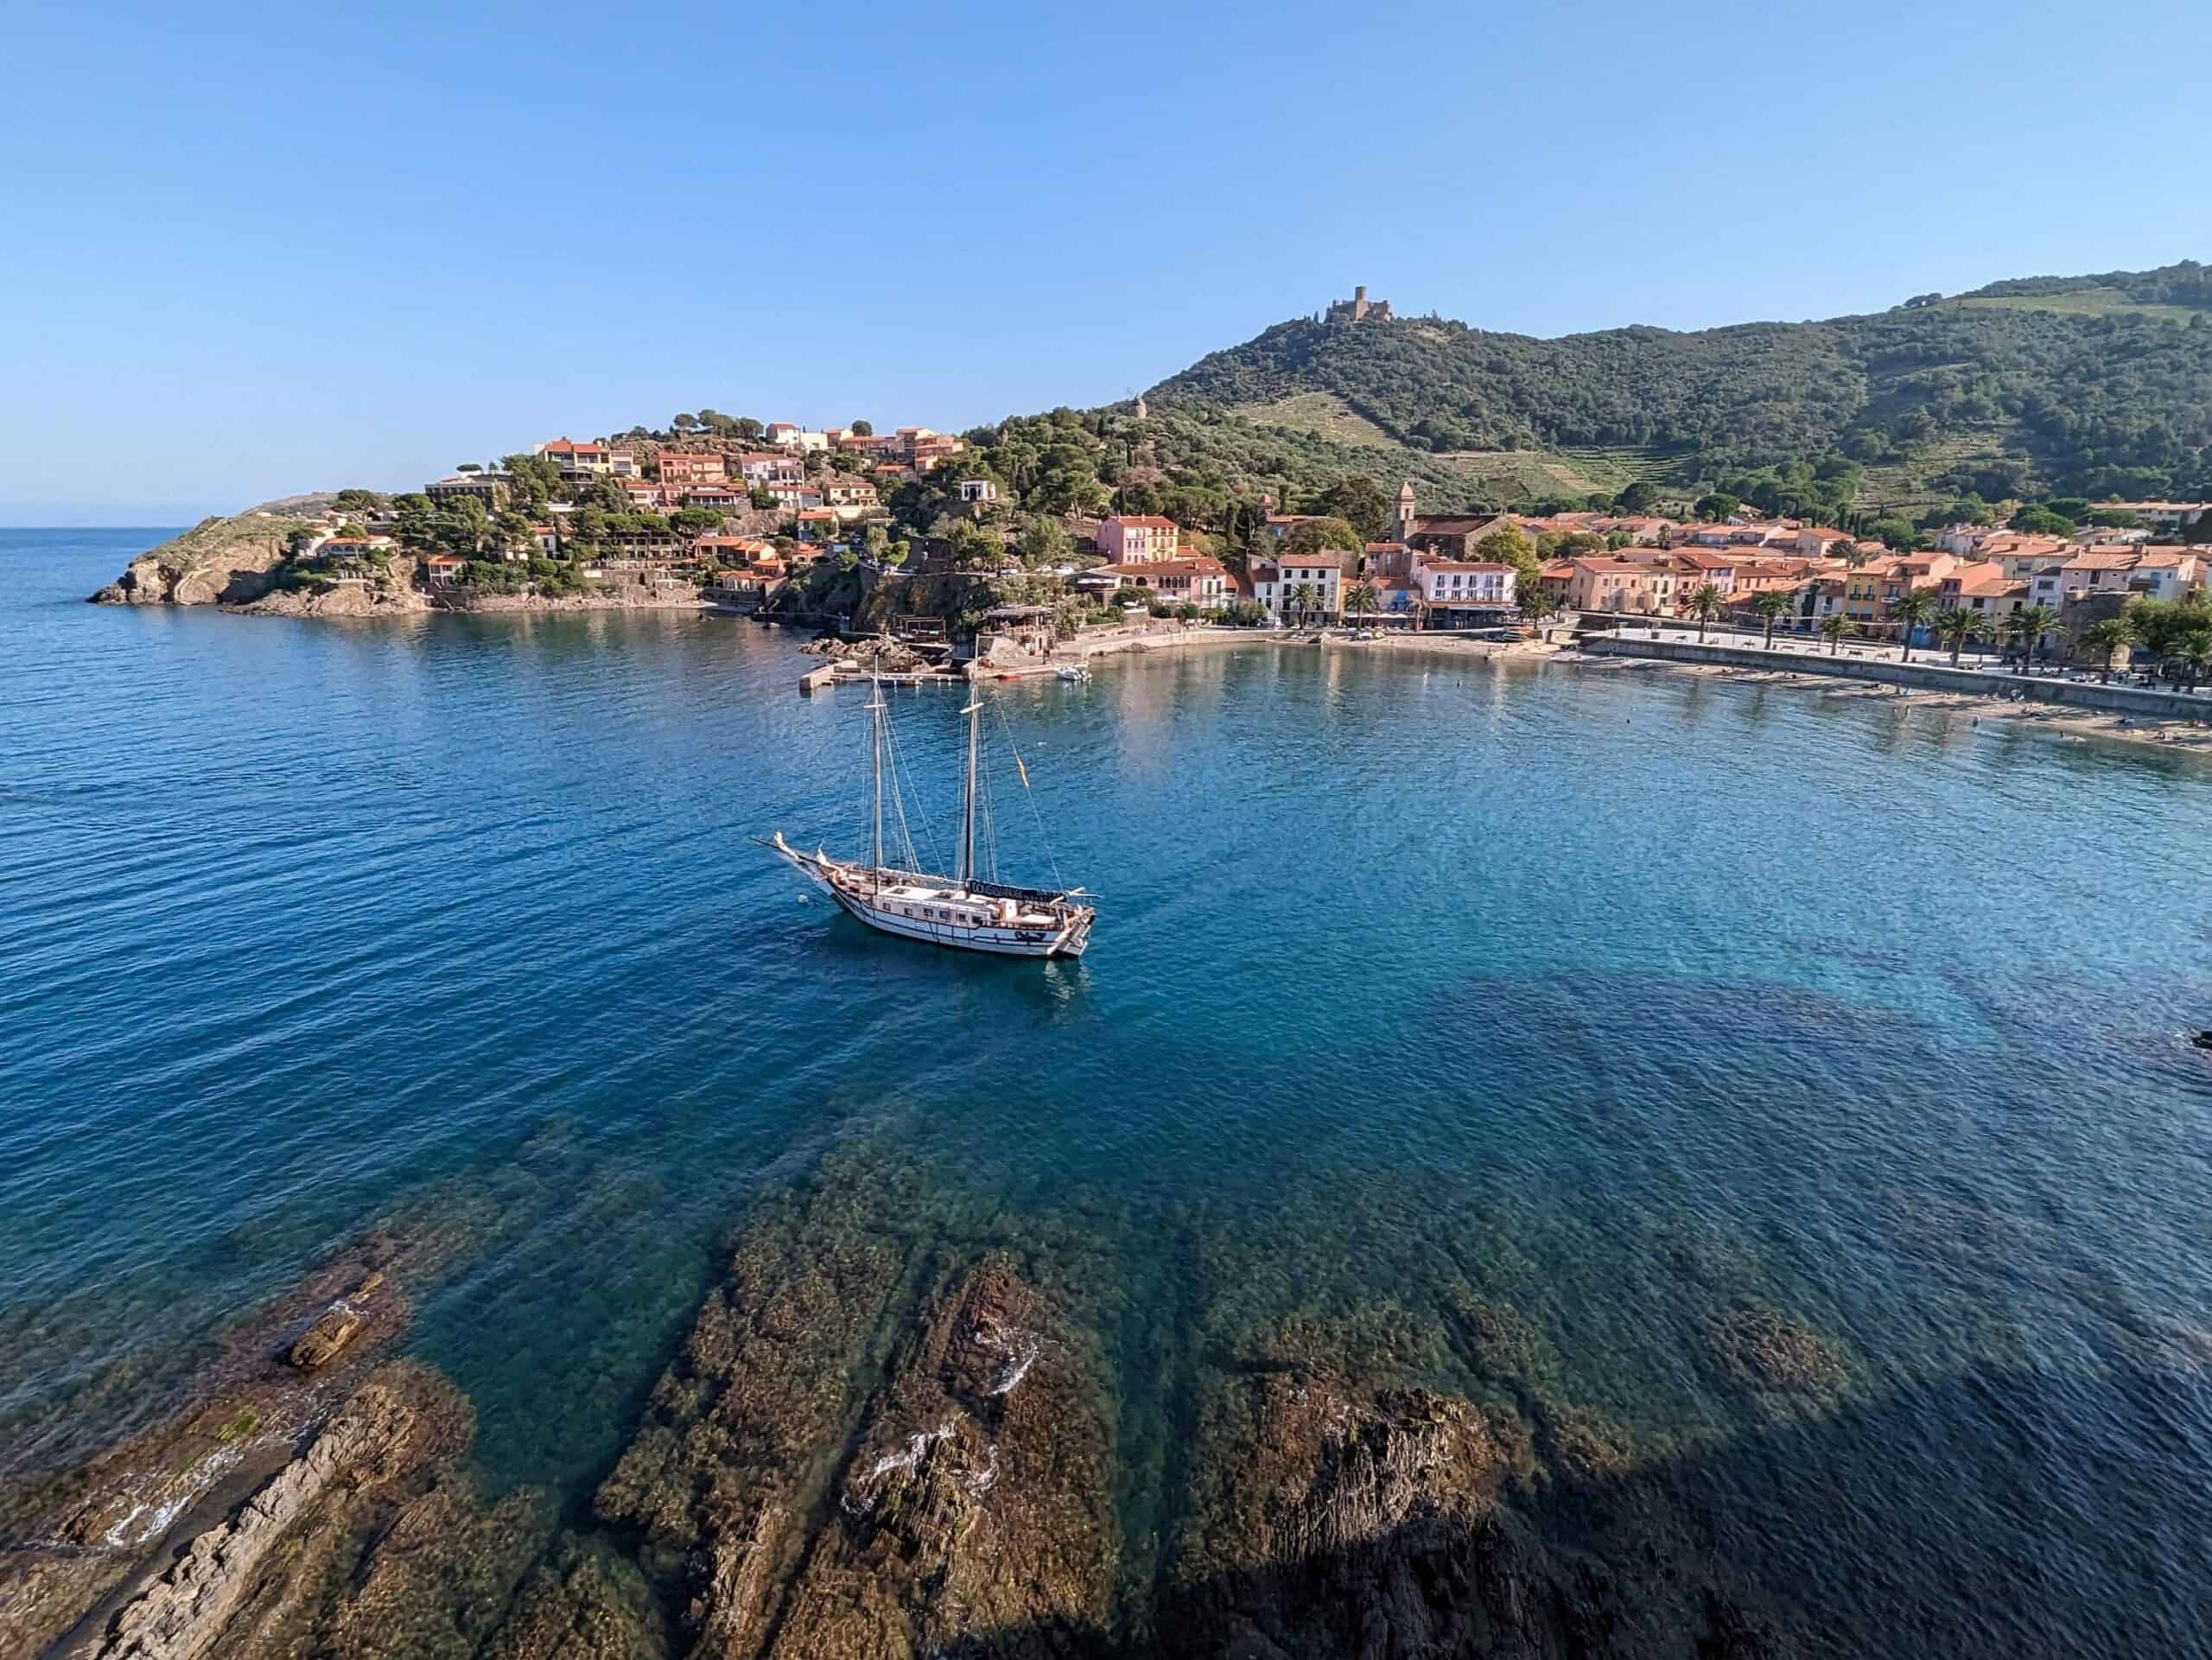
(2092, 385)
(227, 560)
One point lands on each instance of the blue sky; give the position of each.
(249, 250)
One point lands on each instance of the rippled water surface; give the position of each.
(1629, 999)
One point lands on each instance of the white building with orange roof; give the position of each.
(734, 549)
(1702, 565)
(1811, 541)
(2084, 572)
(846, 496)
(1306, 587)
(1462, 590)
(766, 466)
(1992, 594)
(2168, 573)
(2165, 515)
(793, 495)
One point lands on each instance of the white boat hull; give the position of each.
(937, 911)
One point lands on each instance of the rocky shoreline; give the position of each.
(235, 564)
(881, 1438)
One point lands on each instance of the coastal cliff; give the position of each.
(219, 561)
(242, 563)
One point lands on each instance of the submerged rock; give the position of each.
(887, 1437)
(587, 1605)
(979, 1502)
(748, 1420)
(74, 1535)
(1762, 1350)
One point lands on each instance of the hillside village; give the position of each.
(848, 527)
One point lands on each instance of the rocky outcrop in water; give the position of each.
(891, 1436)
(978, 1503)
(739, 1433)
(398, 1420)
(225, 559)
(73, 1535)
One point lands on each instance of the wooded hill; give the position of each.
(2094, 385)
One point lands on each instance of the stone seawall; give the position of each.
(1931, 677)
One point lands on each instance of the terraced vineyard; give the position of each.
(1903, 486)
(1323, 414)
(1615, 467)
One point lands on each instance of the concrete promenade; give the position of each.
(1928, 676)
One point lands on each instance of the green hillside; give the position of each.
(2089, 386)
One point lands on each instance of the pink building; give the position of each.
(1135, 540)
(687, 467)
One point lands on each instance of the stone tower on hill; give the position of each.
(1359, 309)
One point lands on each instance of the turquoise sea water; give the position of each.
(1626, 997)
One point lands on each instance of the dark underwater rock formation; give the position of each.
(977, 1505)
(741, 1432)
(890, 1436)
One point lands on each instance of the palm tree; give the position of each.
(1954, 629)
(1705, 605)
(1305, 598)
(1912, 609)
(1770, 607)
(1538, 606)
(2107, 635)
(1360, 599)
(2192, 655)
(2028, 625)
(1835, 627)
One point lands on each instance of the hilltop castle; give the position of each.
(1359, 309)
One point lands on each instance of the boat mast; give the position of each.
(875, 754)
(967, 872)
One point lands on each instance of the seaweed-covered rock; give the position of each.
(584, 1605)
(335, 1328)
(752, 1414)
(1762, 1350)
(74, 1533)
(979, 1505)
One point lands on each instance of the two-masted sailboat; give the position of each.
(961, 910)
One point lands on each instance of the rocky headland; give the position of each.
(240, 564)
(219, 561)
(888, 1436)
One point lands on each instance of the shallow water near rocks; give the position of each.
(1647, 1011)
